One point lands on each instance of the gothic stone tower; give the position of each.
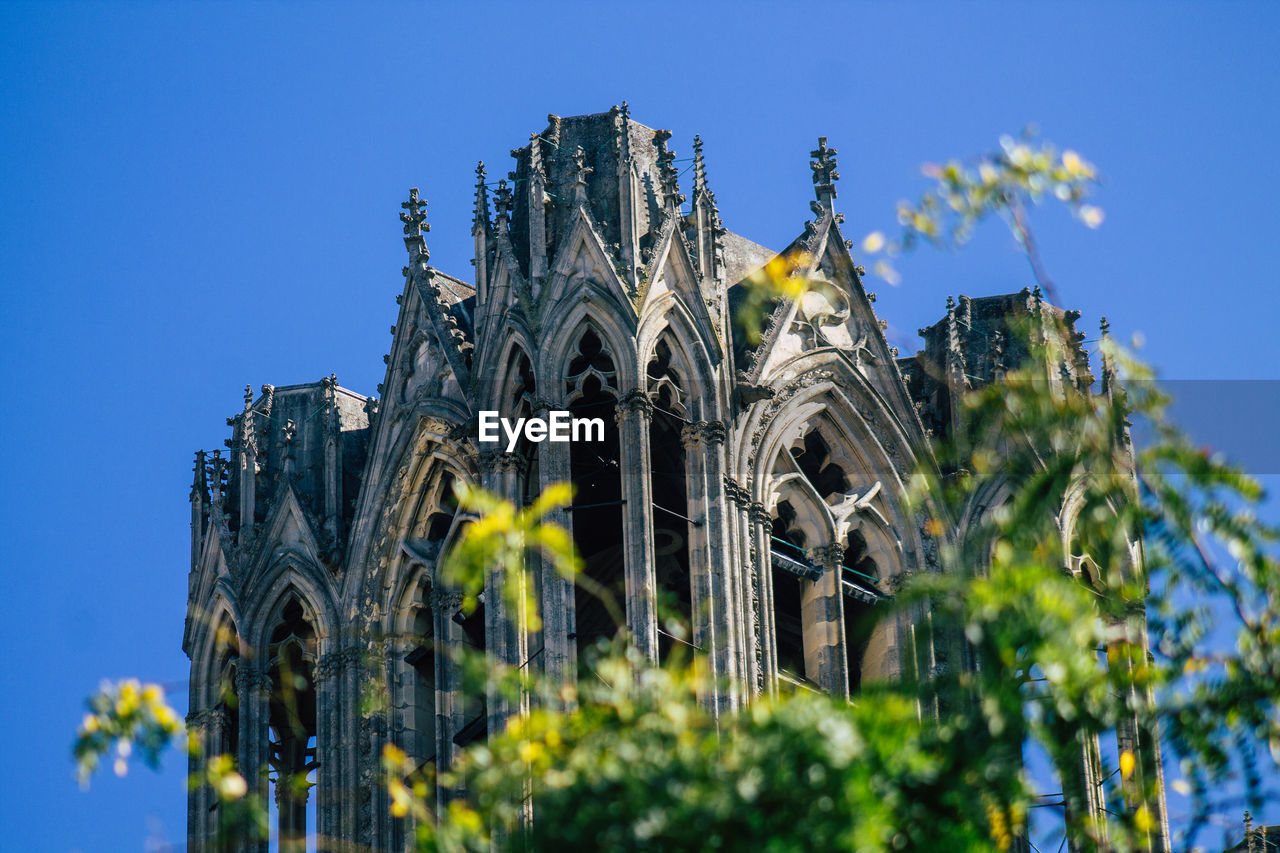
(750, 484)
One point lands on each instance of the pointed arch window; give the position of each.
(669, 485)
(861, 593)
(789, 558)
(590, 385)
(292, 723)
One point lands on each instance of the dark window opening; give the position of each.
(860, 616)
(788, 624)
(670, 511)
(814, 460)
(422, 658)
(597, 518)
(475, 706)
(440, 521)
(292, 723)
(858, 561)
(788, 619)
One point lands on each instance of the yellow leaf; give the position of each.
(873, 242)
(232, 786)
(1127, 763)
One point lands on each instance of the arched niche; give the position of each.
(667, 379)
(589, 382)
(292, 655)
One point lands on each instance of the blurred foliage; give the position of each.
(1021, 173)
(122, 717)
(642, 763)
(784, 277)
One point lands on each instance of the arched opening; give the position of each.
(292, 722)
(597, 504)
(440, 521)
(421, 658)
(223, 736)
(521, 398)
(860, 582)
(225, 699)
(669, 486)
(474, 705)
(813, 458)
(788, 563)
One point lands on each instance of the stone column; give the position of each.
(199, 798)
(760, 524)
(559, 628)
(450, 711)
(506, 632)
(633, 413)
(822, 612)
(726, 603)
(329, 780)
(253, 687)
(350, 724)
(748, 585)
(700, 586)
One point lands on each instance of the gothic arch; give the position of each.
(504, 369)
(210, 644)
(581, 269)
(285, 578)
(419, 455)
(428, 525)
(553, 360)
(670, 318)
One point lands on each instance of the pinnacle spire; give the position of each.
(580, 172)
(502, 203)
(481, 219)
(699, 167)
(667, 171)
(1108, 369)
(200, 484)
(415, 224)
(536, 166)
(825, 174)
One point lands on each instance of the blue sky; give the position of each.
(197, 196)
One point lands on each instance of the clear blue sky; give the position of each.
(198, 196)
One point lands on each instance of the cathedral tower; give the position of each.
(748, 486)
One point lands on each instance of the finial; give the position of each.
(1105, 327)
(502, 204)
(482, 198)
(699, 166)
(625, 110)
(415, 217)
(824, 173)
(1037, 294)
(248, 397)
(535, 154)
(201, 480)
(580, 172)
(667, 175)
(415, 223)
(951, 302)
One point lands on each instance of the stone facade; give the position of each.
(749, 486)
